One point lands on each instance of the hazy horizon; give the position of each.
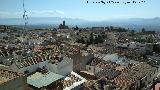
(79, 9)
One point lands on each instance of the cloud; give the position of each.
(59, 12)
(4, 14)
(44, 13)
(33, 13)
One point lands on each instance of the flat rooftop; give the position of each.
(40, 80)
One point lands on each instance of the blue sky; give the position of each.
(80, 9)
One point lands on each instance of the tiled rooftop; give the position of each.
(137, 72)
(108, 73)
(103, 64)
(32, 61)
(6, 75)
(52, 57)
(72, 81)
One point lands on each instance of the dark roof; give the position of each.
(108, 73)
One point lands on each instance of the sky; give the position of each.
(80, 9)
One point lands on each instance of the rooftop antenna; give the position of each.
(25, 16)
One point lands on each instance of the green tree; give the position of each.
(143, 30)
(156, 48)
(76, 28)
(111, 27)
(91, 38)
(150, 40)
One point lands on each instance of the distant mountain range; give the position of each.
(132, 23)
(40, 20)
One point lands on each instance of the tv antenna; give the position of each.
(25, 16)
